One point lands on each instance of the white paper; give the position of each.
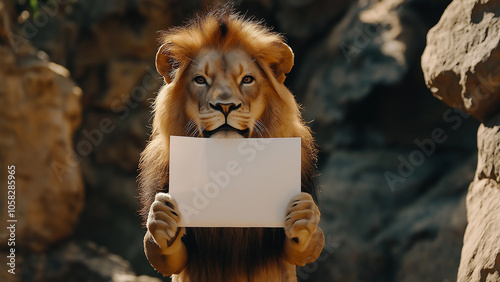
(234, 182)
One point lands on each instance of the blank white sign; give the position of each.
(234, 182)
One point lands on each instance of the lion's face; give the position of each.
(225, 94)
(224, 77)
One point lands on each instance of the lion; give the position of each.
(224, 78)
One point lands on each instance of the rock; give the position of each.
(123, 77)
(373, 45)
(481, 251)
(374, 233)
(306, 19)
(40, 111)
(460, 62)
(78, 261)
(488, 138)
(461, 67)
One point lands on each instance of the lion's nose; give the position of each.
(225, 108)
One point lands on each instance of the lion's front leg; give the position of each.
(162, 242)
(304, 239)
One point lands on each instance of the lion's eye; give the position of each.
(200, 80)
(247, 79)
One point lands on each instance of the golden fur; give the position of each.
(215, 63)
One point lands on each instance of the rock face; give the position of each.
(461, 65)
(360, 66)
(480, 259)
(79, 261)
(363, 92)
(391, 233)
(40, 112)
(460, 62)
(370, 35)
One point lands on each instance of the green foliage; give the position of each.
(34, 7)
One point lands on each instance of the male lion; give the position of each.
(224, 79)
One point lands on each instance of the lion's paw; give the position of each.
(302, 217)
(163, 220)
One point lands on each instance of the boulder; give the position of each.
(460, 62)
(40, 111)
(461, 67)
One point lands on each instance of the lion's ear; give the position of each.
(164, 63)
(285, 62)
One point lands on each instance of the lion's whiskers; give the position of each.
(194, 133)
(197, 131)
(256, 130)
(190, 125)
(191, 128)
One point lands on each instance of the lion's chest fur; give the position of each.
(235, 254)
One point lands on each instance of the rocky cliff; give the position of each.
(395, 163)
(40, 113)
(461, 67)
